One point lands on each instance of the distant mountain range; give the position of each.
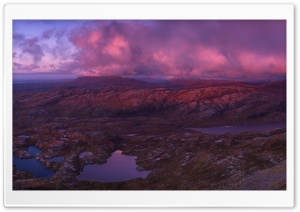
(116, 81)
(196, 100)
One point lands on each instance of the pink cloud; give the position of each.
(207, 49)
(94, 37)
(118, 48)
(257, 63)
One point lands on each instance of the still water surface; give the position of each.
(239, 129)
(118, 168)
(57, 159)
(33, 150)
(34, 166)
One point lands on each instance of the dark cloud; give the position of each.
(17, 37)
(59, 34)
(22, 67)
(32, 47)
(47, 34)
(67, 67)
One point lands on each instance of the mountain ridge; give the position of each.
(96, 82)
(244, 102)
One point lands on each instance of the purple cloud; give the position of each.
(47, 34)
(24, 67)
(227, 49)
(32, 47)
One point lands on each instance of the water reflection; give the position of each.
(57, 159)
(33, 150)
(239, 129)
(83, 154)
(34, 166)
(118, 168)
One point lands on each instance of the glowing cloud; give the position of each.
(205, 49)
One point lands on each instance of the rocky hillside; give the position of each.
(153, 123)
(235, 102)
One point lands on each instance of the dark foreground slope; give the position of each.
(67, 120)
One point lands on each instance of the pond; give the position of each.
(118, 168)
(34, 166)
(131, 135)
(23, 136)
(239, 129)
(57, 159)
(83, 154)
(33, 150)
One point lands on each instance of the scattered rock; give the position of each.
(84, 154)
(24, 136)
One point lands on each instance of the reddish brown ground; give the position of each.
(67, 120)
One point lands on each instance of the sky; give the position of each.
(206, 49)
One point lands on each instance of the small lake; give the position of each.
(83, 154)
(33, 150)
(240, 129)
(118, 168)
(57, 159)
(34, 166)
(131, 135)
(23, 136)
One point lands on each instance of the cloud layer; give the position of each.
(243, 49)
